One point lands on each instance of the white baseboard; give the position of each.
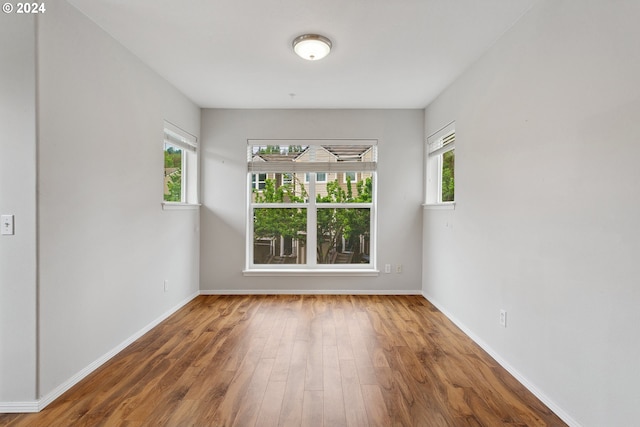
(62, 388)
(502, 362)
(307, 292)
(19, 407)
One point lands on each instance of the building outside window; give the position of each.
(258, 181)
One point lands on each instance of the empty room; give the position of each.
(295, 213)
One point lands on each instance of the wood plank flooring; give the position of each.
(294, 360)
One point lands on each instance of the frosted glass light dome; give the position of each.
(311, 46)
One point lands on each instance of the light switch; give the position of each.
(6, 224)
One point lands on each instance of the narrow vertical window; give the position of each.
(180, 166)
(447, 173)
(173, 159)
(440, 166)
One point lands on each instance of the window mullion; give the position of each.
(312, 229)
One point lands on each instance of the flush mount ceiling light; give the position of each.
(311, 46)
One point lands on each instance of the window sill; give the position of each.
(440, 206)
(309, 272)
(171, 206)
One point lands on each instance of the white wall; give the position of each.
(548, 202)
(18, 197)
(224, 164)
(105, 244)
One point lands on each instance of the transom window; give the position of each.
(308, 214)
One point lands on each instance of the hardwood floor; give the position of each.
(295, 360)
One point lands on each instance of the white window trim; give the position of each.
(179, 138)
(312, 268)
(310, 272)
(177, 206)
(440, 206)
(433, 166)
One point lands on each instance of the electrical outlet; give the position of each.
(503, 318)
(387, 268)
(166, 285)
(399, 268)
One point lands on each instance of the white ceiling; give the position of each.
(237, 53)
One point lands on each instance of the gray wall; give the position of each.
(224, 172)
(105, 244)
(18, 197)
(548, 202)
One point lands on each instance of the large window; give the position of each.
(307, 216)
(440, 164)
(180, 166)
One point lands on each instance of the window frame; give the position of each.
(436, 146)
(310, 168)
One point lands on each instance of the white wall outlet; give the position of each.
(6, 225)
(387, 268)
(166, 285)
(399, 268)
(503, 318)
